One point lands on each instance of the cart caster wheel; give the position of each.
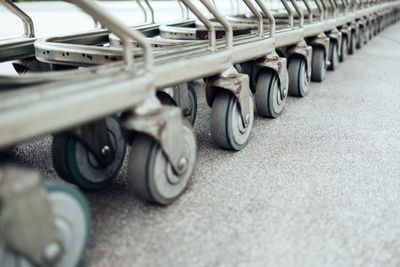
(191, 114)
(370, 31)
(318, 64)
(359, 39)
(365, 35)
(268, 96)
(333, 56)
(75, 164)
(227, 125)
(353, 42)
(298, 83)
(343, 49)
(72, 220)
(150, 174)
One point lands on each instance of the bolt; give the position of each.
(248, 118)
(52, 253)
(105, 151)
(182, 164)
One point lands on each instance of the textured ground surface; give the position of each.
(318, 186)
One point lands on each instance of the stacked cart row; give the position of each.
(100, 91)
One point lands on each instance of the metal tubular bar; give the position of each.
(29, 30)
(151, 10)
(271, 18)
(334, 7)
(124, 33)
(212, 37)
(345, 6)
(326, 10)
(320, 9)
(355, 3)
(143, 9)
(257, 14)
(289, 11)
(182, 9)
(224, 22)
(299, 13)
(310, 12)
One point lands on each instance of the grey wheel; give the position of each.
(333, 56)
(227, 126)
(353, 41)
(370, 31)
(189, 114)
(318, 64)
(72, 220)
(269, 100)
(151, 175)
(298, 83)
(359, 38)
(75, 164)
(365, 34)
(343, 49)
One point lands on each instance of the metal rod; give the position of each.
(258, 15)
(310, 12)
(289, 11)
(320, 9)
(334, 7)
(151, 10)
(299, 13)
(124, 33)
(224, 22)
(182, 8)
(270, 17)
(143, 9)
(29, 29)
(212, 37)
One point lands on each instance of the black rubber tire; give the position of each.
(318, 64)
(298, 84)
(226, 122)
(268, 98)
(360, 40)
(343, 49)
(66, 147)
(353, 42)
(149, 171)
(333, 56)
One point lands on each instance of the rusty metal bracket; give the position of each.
(322, 40)
(336, 35)
(304, 50)
(346, 31)
(238, 85)
(279, 66)
(26, 220)
(164, 124)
